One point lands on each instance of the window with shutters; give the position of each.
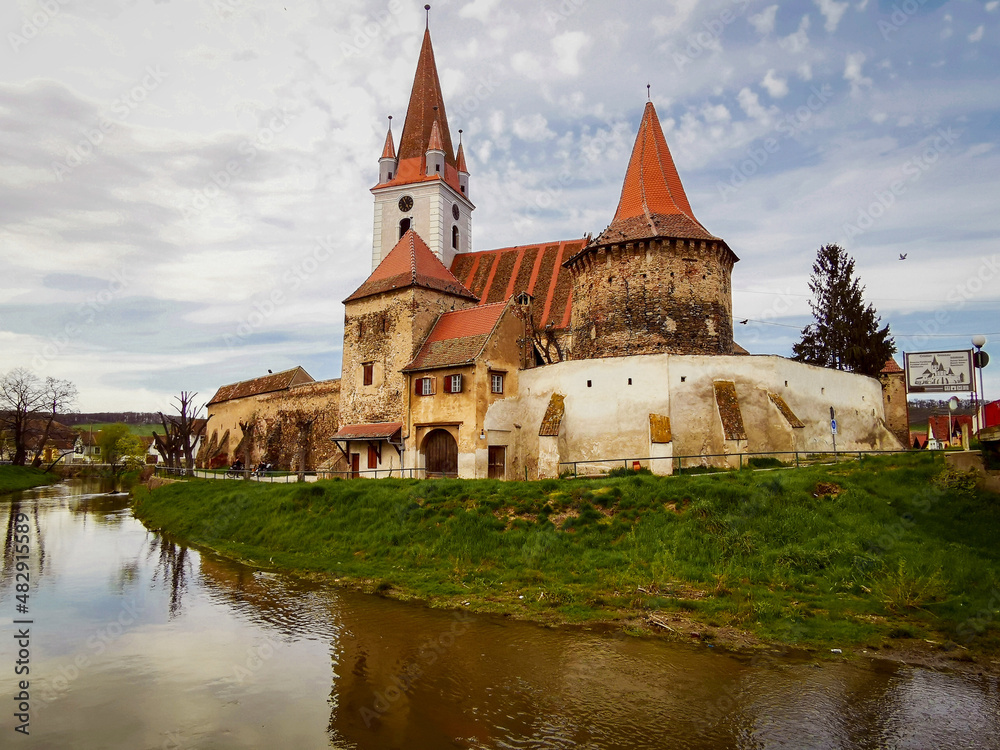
(424, 387)
(453, 384)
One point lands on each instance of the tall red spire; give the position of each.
(426, 106)
(653, 202)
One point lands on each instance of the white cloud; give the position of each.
(977, 35)
(776, 87)
(480, 10)
(861, 6)
(764, 21)
(750, 104)
(716, 113)
(852, 72)
(568, 47)
(832, 11)
(677, 20)
(533, 127)
(799, 40)
(805, 71)
(992, 6)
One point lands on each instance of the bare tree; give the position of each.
(59, 396)
(21, 395)
(181, 432)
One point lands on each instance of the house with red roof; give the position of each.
(518, 361)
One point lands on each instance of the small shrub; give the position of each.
(624, 471)
(764, 462)
(962, 482)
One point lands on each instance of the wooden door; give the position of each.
(355, 465)
(441, 454)
(498, 462)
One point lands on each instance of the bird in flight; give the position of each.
(902, 256)
(744, 322)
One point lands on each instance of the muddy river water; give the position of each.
(134, 641)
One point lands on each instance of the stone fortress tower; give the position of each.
(655, 281)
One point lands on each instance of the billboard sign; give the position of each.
(939, 372)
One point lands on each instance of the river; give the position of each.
(137, 642)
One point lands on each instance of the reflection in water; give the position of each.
(184, 650)
(172, 568)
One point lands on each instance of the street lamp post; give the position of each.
(979, 362)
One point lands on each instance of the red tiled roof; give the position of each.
(426, 107)
(389, 152)
(653, 202)
(380, 431)
(891, 367)
(278, 381)
(538, 270)
(462, 166)
(458, 337)
(411, 263)
(918, 438)
(937, 425)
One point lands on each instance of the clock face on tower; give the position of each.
(454, 212)
(405, 203)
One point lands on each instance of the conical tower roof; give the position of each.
(426, 106)
(389, 152)
(653, 202)
(411, 263)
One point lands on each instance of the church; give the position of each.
(525, 362)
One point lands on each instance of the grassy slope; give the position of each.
(14, 478)
(889, 554)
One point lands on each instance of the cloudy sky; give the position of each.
(171, 166)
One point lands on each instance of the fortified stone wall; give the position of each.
(608, 403)
(386, 330)
(280, 428)
(651, 297)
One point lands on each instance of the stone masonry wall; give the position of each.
(653, 297)
(278, 420)
(386, 330)
(897, 415)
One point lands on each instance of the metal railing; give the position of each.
(729, 461)
(288, 477)
(590, 467)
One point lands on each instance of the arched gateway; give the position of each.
(440, 454)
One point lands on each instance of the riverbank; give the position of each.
(887, 554)
(15, 478)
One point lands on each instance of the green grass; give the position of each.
(14, 478)
(864, 552)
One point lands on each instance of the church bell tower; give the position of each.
(425, 185)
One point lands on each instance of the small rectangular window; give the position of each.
(369, 371)
(496, 382)
(424, 387)
(453, 384)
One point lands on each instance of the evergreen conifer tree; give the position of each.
(846, 333)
